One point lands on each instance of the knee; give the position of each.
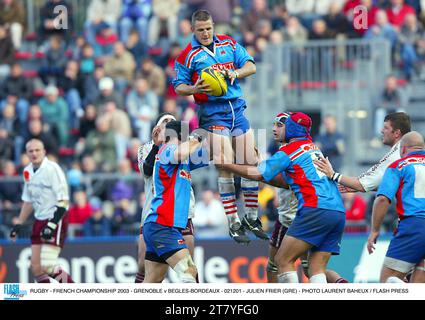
(126, 23)
(36, 268)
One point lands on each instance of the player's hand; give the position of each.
(232, 75)
(15, 230)
(201, 87)
(48, 231)
(324, 165)
(371, 241)
(344, 189)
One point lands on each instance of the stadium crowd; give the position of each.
(91, 96)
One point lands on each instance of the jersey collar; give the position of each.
(42, 165)
(422, 153)
(196, 44)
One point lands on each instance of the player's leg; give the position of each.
(140, 275)
(392, 276)
(50, 253)
(272, 269)
(189, 239)
(221, 144)
(317, 266)
(37, 271)
(182, 263)
(289, 251)
(155, 271)
(418, 275)
(278, 233)
(334, 277)
(245, 153)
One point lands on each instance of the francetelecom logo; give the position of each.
(13, 292)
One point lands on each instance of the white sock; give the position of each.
(288, 277)
(394, 280)
(250, 195)
(226, 187)
(318, 278)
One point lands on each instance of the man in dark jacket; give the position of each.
(17, 90)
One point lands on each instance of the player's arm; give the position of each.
(253, 173)
(52, 224)
(198, 87)
(324, 165)
(185, 149)
(247, 69)
(380, 208)
(387, 191)
(25, 212)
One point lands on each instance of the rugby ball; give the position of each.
(215, 80)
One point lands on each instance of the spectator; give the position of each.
(170, 71)
(390, 100)
(7, 52)
(119, 123)
(163, 23)
(50, 20)
(91, 81)
(98, 12)
(75, 176)
(259, 11)
(10, 192)
(121, 194)
(222, 11)
(88, 121)
(137, 48)
(55, 113)
(120, 66)
(154, 75)
(10, 122)
(12, 13)
(17, 90)
(107, 94)
(104, 41)
(142, 105)
(54, 62)
(210, 220)
(397, 13)
(132, 152)
(355, 206)
(100, 144)
(170, 106)
(6, 145)
(331, 142)
(97, 225)
(71, 83)
(87, 62)
(337, 22)
(34, 113)
(320, 31)
(135, 15)
(382, 29)
(185, 33)
(411, 39)
(81, 209)
(294, 31)
(99, 187)
(36, 131)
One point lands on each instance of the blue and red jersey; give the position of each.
(172, 188)
(228, 54)
(404, 180)
(311, 187)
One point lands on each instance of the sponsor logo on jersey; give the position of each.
(185, 174)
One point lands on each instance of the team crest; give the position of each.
(26, 175)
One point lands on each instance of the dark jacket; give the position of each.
(20, 87)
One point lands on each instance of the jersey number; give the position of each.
(419, 181)
(317, 156)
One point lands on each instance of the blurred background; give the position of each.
(91, 90)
